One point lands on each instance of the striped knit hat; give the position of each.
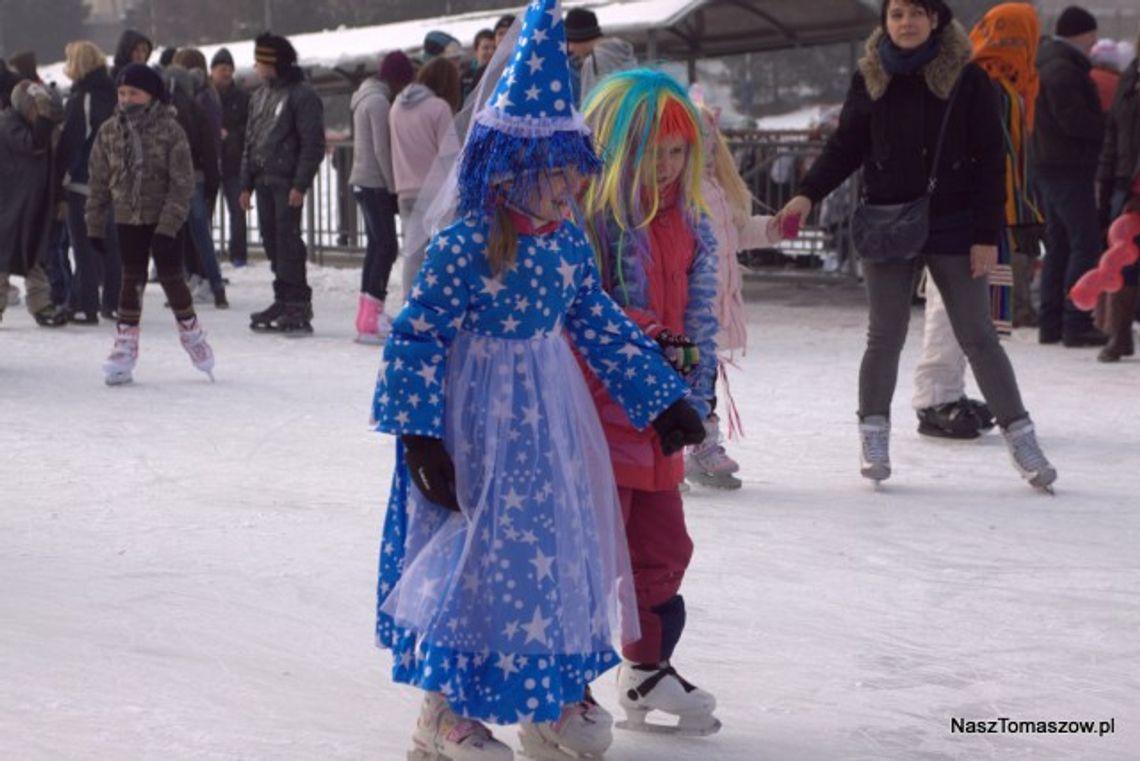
(273, 50)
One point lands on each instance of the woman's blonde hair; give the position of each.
(82, 58)
(726, 172)
(502, 241)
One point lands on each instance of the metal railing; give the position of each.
(771, 163)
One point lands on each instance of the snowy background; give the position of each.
(187, 569)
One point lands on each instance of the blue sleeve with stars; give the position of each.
(627, 361)
(409, 393)
(700, 319)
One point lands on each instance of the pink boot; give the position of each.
(372, 324)
(193, 340)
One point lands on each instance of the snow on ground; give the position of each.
(188, 568)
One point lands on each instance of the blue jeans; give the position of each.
(1072, 248)
(91, 269)
(378, 207)
(56, 264)
(198, 225)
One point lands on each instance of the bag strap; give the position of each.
(942, 136)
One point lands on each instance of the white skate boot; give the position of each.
(583, 731)
(1021, 438)
(441, 735)
(193, 340)
(645, 688)
(875, 453)
(708, 464)
(117, 369)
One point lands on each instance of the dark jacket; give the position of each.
(8, 81)
(1070, 123)
(235, 116)
(1120, 154)
(285, 137)
(129, 40)
(890, 124)
(199, 131)
(25, 190)
(92, 102)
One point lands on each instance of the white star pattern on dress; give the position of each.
(568, 271)
(536, 629)
(492, 286)
(542, 564)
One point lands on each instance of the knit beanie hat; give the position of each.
(222, 57)
(396, 69)
(24, 64)
(272, 50)
(438, 43)
(142, 77)
(582, 25)
(1075, 21)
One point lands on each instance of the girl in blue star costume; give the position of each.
(504, 571)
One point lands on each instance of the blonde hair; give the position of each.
(728, 177)
(502, 241)
(82, 58)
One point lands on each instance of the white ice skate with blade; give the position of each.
(193, 340)
(583, 732)
(642, 689)
(441, 735)
(125, 353)
(1030, 461)
(875, 448)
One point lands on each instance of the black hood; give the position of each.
(127, 43)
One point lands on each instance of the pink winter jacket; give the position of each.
(422, 127)
(733, 334)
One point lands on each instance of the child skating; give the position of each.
(648, 223)
(504, 570)
(140, 171)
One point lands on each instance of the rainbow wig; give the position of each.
(630, 112)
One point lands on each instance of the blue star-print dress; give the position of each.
(511, 607)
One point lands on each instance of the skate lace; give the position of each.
(876, 445)
(1026, 450)
(647, 686)
(712, 455)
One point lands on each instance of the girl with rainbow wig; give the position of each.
(505, 579)
(647, 219)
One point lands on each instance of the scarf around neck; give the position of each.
(897, 61)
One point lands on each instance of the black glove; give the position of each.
(678, 426)
(162, 245)
(99, 245)
(680, 350)
(432, 469)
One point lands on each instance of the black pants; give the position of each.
(135, 243)
(239, 247)
(378, 207)
(1072, 247)
(91, 268)
(281, 236)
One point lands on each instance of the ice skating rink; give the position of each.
(187, 569)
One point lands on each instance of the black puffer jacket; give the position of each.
(235, 116)
(285, 137)
(91, 102)
(1070, 123)
(890, 124)
(1120, 155)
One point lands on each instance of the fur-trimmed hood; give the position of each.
(954, 53)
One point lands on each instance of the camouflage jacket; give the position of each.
(141, 172)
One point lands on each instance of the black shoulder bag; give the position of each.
(898, 230)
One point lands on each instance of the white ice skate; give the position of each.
(642, 689)
(193, 340)
(708, 464)
(583, 731)
(875, 450)
(1021, 439)
(441, 735)
(117, 369)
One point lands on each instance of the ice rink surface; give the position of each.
(187, 569)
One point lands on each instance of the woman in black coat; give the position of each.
(889, 126)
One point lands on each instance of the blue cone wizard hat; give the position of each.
(530, 121)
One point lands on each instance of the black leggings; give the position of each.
(135, 243)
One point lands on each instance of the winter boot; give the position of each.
(583, 731)
(117, 369)
(875, 437)
(193, 340)
(220, 300)
(1021, 438)
(643, 688)
(260, 321)
(441, 735)
(708, 464)
(953, 420)
(372, 324)
(1122, 312)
